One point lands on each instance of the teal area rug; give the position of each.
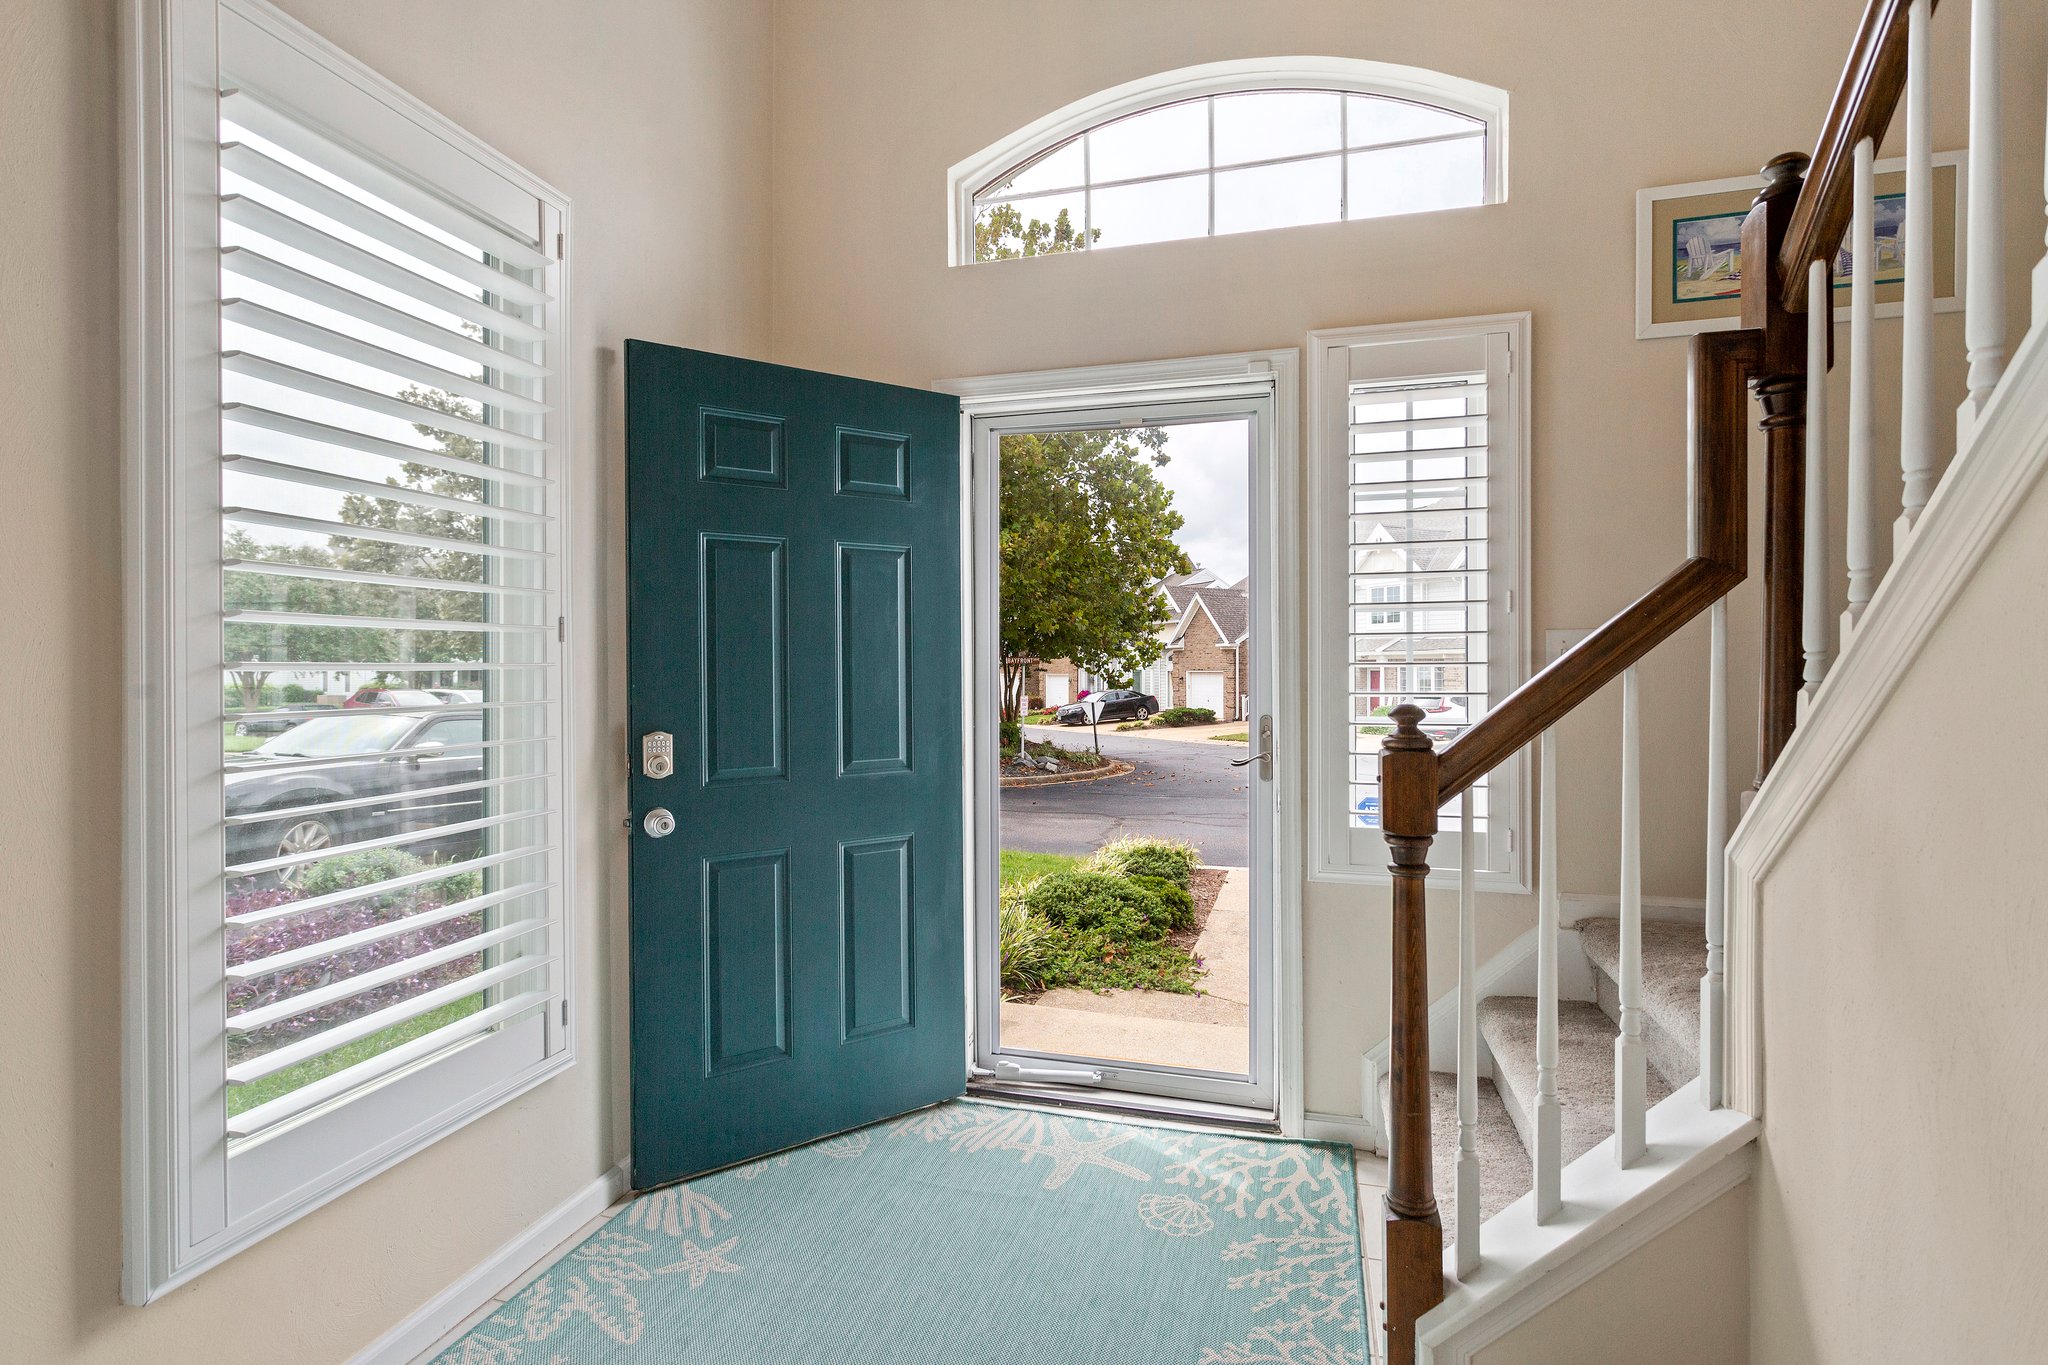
(964, 1234)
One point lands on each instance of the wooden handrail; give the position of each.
(1865, 100)
(1717, 536)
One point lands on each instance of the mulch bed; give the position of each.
(1205, 886)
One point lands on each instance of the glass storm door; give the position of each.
(793, 564)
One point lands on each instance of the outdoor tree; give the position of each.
(256, 650)
(1087, 531)
(1002, 233)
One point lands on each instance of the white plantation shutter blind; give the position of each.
(1418, 576)
(392, 889)
(1421, 433)
(345, 470)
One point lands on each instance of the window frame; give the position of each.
(1347, 75)
(183, 1211)
(1332, 852)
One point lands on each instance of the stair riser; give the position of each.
(1675, 1058)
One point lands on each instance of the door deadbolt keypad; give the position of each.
(657, 753)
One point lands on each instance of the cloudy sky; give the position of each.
(1210, 475)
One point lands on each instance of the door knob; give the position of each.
(659, 824)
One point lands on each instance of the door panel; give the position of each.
(794, 598)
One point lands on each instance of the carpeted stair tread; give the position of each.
(1674, 960)
(1504, 1173)
(1585, 1069)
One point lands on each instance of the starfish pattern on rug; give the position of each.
(1070, 1154)
(701, 1263)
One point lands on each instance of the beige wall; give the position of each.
(1682, 1298)
(1900, 1192)
(876, 100)
(651, 117)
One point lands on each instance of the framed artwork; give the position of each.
(1689, 249)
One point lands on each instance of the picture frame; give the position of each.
(1688, 252)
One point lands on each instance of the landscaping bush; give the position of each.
(1176, 905)
(1025, 944)
(1170, 859)
(250, 942)
(1009, 734)
(1185, 715)
(1097, 900)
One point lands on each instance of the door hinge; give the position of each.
(562, 630)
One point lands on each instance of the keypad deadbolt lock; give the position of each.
(658, 753)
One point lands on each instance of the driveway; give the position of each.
(1175, 789)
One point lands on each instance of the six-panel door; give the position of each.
(793, 568)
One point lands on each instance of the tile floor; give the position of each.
(1372, 1188)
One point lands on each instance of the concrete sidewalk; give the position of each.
(1203, 733)
(1209, 1032)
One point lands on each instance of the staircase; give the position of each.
(1674, 960)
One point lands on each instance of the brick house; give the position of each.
(1204, 663)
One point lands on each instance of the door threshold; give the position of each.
(1200, 1113)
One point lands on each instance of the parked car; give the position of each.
(391, 696)
(387, 757)
(274, 722)
(1117, 704)
(458, 696)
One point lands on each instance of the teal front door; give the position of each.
(793, 569)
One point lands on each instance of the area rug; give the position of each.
(965, 1234)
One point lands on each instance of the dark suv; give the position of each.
(368, 754)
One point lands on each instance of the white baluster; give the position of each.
(1916, 408)
(1713, 987)
(1862, 394)
(1549, 1116)
(1631, 1080)
(1984, 301)
(1813, 624)
(1468, 1043)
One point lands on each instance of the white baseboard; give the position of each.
(440, 1315)
(1337, 1128)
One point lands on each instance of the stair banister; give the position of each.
(1984, 299)
(1916, 366)
(1631, 1067)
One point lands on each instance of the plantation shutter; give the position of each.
(1420, 547)
(390, 523)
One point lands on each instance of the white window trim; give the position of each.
(1354, 76)
(175, 1170)
(1508, 496)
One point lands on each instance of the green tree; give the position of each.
(1002, 233)
(1086, 533)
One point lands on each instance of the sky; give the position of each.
(1209, 473)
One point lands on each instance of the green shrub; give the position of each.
(1026, 944)
(1176, 906)
(1098, 900)
(1147, 857)
(1093, 959)
(1186, 715)
(382, 864)
(1009, 734)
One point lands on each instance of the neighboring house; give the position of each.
(1204, 662)
(1400, 649)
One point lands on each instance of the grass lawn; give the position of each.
(1238, 737)
(242, 1097)
(232, 743)
(1019, 866)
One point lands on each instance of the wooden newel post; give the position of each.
(1780, 383)
(1414, 1231)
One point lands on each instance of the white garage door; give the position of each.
(1058, 689)
(1206, 690)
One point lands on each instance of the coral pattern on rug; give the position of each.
(1244, 1250)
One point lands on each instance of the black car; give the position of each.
(303, 774)
(1117, 704)
(276, 722)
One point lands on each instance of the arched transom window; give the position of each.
(1206, 156)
